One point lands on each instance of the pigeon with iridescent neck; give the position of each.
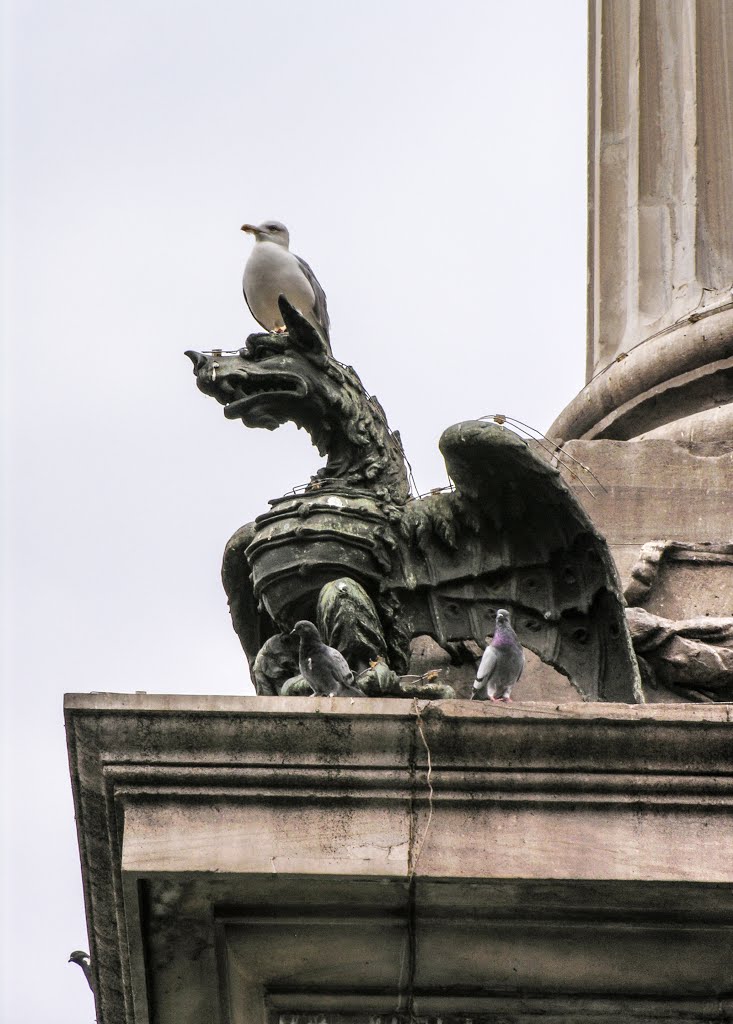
(502, 663)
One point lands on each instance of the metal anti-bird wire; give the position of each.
(553, 450)
(376, 405)
(557, 448)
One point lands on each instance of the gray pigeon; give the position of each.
(82, 958)
(324, 668)
(271, 271)
(502, 663)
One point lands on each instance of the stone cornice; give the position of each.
(414, 793)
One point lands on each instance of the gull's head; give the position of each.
(270, 231)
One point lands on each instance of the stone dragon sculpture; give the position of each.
(375, 567)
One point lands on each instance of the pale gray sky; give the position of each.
(429, 160)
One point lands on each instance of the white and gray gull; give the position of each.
(271, 271)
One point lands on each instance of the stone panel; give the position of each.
(660, 490)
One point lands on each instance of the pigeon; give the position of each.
(271, 271)
(324, 668)
(82, 958)
(502, 663)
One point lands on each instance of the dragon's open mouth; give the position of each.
(238, 391)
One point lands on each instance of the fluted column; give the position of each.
(660, 254)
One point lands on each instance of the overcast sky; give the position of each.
(429, 160)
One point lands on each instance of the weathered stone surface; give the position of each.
(660, 315)
(693, 657)
(662, 490)
(527, 1011)
(664, 507)
(252, 856)
(660, 319)
(677, 385)
(660, 169)
(682, 579)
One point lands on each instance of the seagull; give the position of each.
(271, 271)
(502, 663)
(324, 668)
(82, 958)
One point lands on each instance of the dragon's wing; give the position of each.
(523, 541)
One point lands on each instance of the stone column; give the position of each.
(660, 245)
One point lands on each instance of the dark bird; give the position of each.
(271, 271)
(502, 663)
(324, 668)
(82, 958)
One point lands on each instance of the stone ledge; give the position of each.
(200, 816)
(376, 707)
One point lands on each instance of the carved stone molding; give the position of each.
(683, 374)
(248, 860)
(691, 656)
(645, 573)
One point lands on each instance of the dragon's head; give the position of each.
(273, 379)
(293, 377)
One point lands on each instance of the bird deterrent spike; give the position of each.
(556, 451)
(552, 450)
(558, 448)
(377, 405)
